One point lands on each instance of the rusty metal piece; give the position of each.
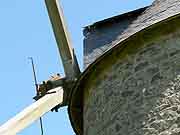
(53, 82)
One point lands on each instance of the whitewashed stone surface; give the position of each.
(139, 95)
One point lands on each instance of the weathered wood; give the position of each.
(32, 112)
(71, 67)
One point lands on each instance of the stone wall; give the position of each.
(139, 95)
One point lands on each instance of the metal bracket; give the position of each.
(53, 82)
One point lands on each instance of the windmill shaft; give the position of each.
(69, 60)
(32, 112)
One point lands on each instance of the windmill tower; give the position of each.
(130, 85)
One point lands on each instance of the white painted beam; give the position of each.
(32, 112)
(69, 60)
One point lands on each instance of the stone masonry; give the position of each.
(139, 95)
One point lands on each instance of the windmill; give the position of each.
(53, 93)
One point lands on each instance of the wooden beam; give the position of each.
(32, 112)
(69, 60)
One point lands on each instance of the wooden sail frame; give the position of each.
(32, 112)
(71, 69)
(69, 60)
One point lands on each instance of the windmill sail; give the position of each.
(68, 57)
(71, 68)
(33, 112)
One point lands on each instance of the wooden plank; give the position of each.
(32, 112)
(69, 60)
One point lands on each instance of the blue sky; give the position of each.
(25, 31)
